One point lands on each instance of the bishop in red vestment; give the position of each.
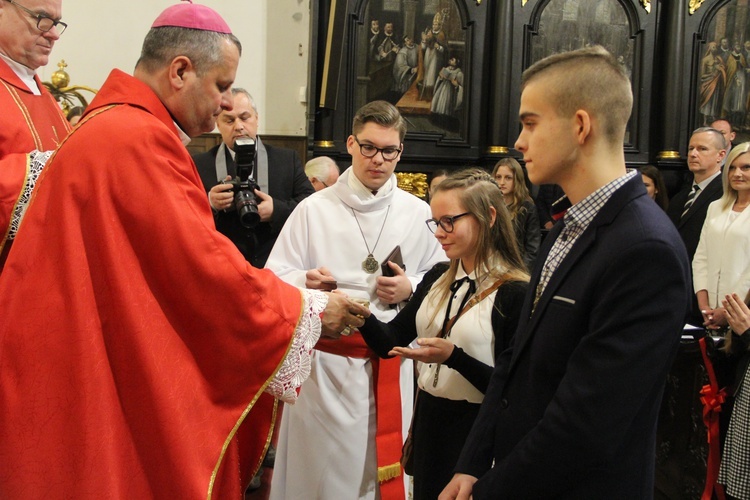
(135, 339)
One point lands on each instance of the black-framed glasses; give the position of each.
(369, 151)
(446, 222)
(44, 23)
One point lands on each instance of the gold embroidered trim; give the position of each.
(18, 200)
(250, 407)
(37, 144)
(26, 116)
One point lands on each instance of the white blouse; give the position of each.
(472, 332)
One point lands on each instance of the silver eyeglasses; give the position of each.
(446, 222)
(369, 151)
(44, 23)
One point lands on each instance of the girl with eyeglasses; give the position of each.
(463, 315)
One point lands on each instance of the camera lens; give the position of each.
(247, 208)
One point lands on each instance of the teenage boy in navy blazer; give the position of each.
(572, 407)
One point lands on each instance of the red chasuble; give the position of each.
(27, 122)
(134, 338)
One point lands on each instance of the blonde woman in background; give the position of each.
(721, 265)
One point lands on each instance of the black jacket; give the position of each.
(572, 406)
(287, 184)
(401, 330)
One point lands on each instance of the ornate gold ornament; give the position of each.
(694, 6)
(414, 183)
(63, 92)
(668, 155)
(646, 5)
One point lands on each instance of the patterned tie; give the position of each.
(690, 200)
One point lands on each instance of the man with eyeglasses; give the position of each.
(341, 237)
(141, 355)
(31, 122)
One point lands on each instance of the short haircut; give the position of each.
(590, 79)
(731, 127)
(164, 43)
(383, 113)
(718, 136)
(240, 90)
(320, 168)
(730, 194)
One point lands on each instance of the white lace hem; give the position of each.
(37, 160)
(296, 366)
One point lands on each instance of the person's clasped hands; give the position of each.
(714, 319)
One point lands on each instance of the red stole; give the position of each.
(386, 375)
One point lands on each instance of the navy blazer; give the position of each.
(287, 185)
(691, 225)
(572, 406)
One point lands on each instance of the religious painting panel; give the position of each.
(412, 53)
(723, 79)
(566, 25)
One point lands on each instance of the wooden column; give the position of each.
(669, 77)
(502, 116)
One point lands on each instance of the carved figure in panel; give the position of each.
(723, 78)
(735, 98)
(406, 66)
(449, 93)
(713, 81)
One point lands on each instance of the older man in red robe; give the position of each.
(139, 351)
(31, 123)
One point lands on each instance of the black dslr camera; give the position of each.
(244, 186)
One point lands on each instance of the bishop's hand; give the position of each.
(341, 315)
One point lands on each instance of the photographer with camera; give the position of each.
(274, 176)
